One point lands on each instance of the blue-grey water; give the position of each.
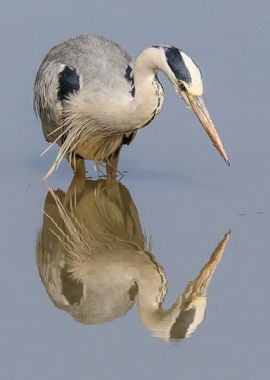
(186, 198)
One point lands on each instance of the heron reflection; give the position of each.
(96, 263)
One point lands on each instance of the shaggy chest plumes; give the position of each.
(96, 138)
(94, 135)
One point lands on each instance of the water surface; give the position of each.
(182, 195)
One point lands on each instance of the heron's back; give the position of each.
(93, 57)
(97, 68)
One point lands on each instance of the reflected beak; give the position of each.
(198, 106)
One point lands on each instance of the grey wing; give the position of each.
(68, 66)
(54, 84)
(46, 102)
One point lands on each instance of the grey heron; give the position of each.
(96, 263)
(92, 97)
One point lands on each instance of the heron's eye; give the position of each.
(181, 86)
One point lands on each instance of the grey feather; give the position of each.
(100, 64)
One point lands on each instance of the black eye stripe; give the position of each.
(177, 64)
(180, 327)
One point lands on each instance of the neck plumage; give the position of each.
(148, 96)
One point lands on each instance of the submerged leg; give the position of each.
(77, 164)
(111, 164)
(74, 191)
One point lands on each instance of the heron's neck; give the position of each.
(148, 94)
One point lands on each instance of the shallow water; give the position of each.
(177, 193)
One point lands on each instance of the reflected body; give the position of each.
(92, 98)
(95, 263)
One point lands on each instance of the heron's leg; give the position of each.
(111, 164)
(77, 164)
(75, 189)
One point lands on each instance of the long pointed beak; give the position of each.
(201, 112)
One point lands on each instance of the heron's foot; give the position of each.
(120, 174)
(111, 166)
(98, 168)
(114, 174)
(111, 173)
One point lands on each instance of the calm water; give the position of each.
(178, 195)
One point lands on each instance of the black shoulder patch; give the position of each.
(128, 72)
(69, 82)
(177, 64)
(129, 77)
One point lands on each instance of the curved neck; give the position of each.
(148, 93)
(148, 64)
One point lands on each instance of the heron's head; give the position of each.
(186, 78)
